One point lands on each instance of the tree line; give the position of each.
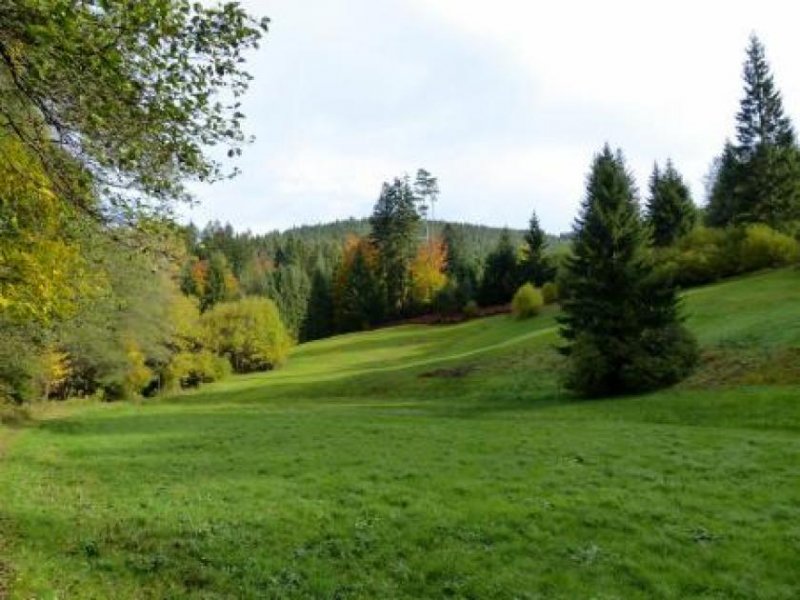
(102, 294)
(402, 265)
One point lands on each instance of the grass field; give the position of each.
(429, 462)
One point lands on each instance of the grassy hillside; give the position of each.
(429, 462)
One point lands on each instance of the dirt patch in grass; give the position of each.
(450, 318)
(450, 373)
(727, 366)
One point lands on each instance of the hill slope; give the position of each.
(429, 462)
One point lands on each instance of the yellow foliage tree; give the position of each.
(42, 271)
(56, 370)
(428, 276)
(137, 374)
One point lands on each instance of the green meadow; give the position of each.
(428, 462)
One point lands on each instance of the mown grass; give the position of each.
(427, 462)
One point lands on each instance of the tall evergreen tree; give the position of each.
(500, 274)
(761, 118)
(670, 210)
(760, 180)
(621, 324)
(290, 287)
(395, 223)
(723, 194)
(536, 268)
(363, 300)
(462, 272)
(426, 187)
(221, 283)
(319, 313)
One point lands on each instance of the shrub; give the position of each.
(763, 247)
(550, 292)
(249, 332)
(703, 256)
(471, 309)
(190, 369)
(527, 302)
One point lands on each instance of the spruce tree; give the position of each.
(759, 178)
(319, 313)
(670, 210)
(761, 119)
(218, 284)
(395, 222)
(725, 180)
(621, 323)
(363, 302)
(500, 273)
(536, 268)
(461, 271)
(453, 239)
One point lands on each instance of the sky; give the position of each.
(505, 101)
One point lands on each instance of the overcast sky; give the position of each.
(505, 101)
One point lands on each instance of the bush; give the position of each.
(190, 369)
(660, 358)
(703, 256)
(248, 332)
(763, 247)
(527, 302)
(708, 254)
(550, 292)
(471, 309)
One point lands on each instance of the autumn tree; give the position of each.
(249, 332)
(428, 276)
(124, 98)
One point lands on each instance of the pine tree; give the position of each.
(771, 187)
(363, 296)
(761, 118)
(462, 272)
(453, 240)
(536, 268)
(290, 288)
(500, 274)
(723, 194)
(394, 224)
(758, 180)
(426, 188)
(621, 324)
(670, 210)
(221, 283)
(319, 313)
